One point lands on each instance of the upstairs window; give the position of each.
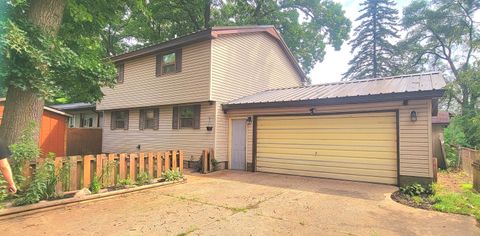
(120, 72)
(186, 117)
(149, 119)
(119, 120)
(169, 63)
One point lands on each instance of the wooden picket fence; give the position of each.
(112, 168)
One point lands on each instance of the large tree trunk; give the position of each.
(24, 106)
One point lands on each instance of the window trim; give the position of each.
(142, 119)
(159, 62)
(120, 77)
(113, 120)
(196, 116)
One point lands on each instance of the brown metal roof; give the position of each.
(413, 86)
(209, 34)
(443, 117)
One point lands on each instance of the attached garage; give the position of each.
(353, 146)
(374, 130)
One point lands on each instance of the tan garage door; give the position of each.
(360, 146)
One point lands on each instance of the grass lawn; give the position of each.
(462, 200)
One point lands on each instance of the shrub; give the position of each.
(416, 189)
(454, 137)
(215, 164)
(95, 186)
(43, 184)
(172, 175)
(24, 150)
(125, 182)
(143, 178)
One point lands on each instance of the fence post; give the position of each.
(205, 161)
(133, 167)
(74, 173)
(141, 162)
(123, 166)
(159, 164)
(99, 166)
(167, 161)
(86, 170)
(180, 153)
(174, 159)
(150, 165)
(111, 167)
(58, 167)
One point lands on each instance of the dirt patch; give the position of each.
(422, 202)
(453, 179)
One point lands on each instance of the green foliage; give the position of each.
(3, 189)
(125, 182)
(95, 185)
(23, 151)
(466, 202)
(43, 184)
(306, 26)
(371, 45)
(444, 35)
(172, 175)
(454, 137)
(215, 164)
(143, 178)
(416, 189)
(36, 61)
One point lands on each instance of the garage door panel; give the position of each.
(316, 147)
(372, 179)
(331, 169)
(374, 164)
(366, 160)
(384, 143)
(340, 153)
(358, 147)
(345, 137)
(317, 131)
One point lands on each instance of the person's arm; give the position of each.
(7, 173)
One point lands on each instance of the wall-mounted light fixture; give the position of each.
(413, 116)
(249, 120)
(209, 126)
(312, 111)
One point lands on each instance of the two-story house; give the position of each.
(240, 91)
(170, 95)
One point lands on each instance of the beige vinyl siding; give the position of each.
(244, 64)
(192, 141)
(142, 88)
(415, 137)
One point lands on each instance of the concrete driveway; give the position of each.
(242, 203)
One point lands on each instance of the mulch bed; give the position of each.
(425, 204)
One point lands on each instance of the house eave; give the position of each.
(417, 95)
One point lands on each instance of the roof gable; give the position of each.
(210, 34)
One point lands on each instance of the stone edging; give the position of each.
(50, 205)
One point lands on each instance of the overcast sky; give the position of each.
(336, 62)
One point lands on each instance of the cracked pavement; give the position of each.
(245, 203)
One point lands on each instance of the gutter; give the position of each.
(418, 95)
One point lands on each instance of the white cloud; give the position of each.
(336, 62)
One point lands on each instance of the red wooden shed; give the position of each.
(53, 130)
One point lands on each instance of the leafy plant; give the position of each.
(23, 151)
(43, 184)
(125, 182)
(172, 175)
(3, 189)
(454, 137)
(215, 164)
(95, 185)
(416, 189)
(143, 178)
